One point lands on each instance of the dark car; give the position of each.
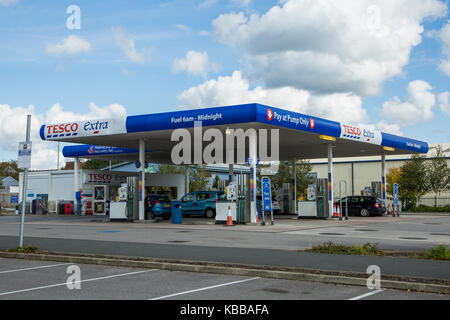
(364, 206)
(159, 205)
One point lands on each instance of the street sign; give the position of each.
(14, 199)
(24, 160)
(396, 194)
(266, 194)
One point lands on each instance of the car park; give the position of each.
(364, 206)
(201, 203)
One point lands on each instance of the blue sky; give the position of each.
(164, 31)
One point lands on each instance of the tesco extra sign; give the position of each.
(71, 128)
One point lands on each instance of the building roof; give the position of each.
(300, 135)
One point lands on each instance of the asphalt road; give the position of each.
(45, 280)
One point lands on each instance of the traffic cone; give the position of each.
(229, 219)
(257, 219)
(338, 212)
(335, 215)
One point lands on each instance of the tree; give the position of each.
(392, 176)
(438, 174)
(199, 179)
(216, 183)
(412, 181)
(284, 175)
(9, 168)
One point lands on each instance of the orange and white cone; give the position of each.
(229, 219)
(257, 219)
(335, 214)
(338, 212)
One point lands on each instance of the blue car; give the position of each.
(201, 203)
(159, 205)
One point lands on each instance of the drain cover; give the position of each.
(365, 230)
(440, 234)
(412, 238)
(332, 234)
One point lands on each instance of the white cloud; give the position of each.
(44, 154)
(444, 35)
(444, 102)
(417, 107)
(7, 3)
(207, 4)
(329, 46)
(182, 27)
(195, 63)
(126, 43)
(71, 46)
(241, 3)
(235, 89)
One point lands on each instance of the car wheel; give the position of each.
(365, 212)
(209, 213)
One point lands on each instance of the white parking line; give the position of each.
(202, 289)
(74, 282)
(33, 268)
(367, 294)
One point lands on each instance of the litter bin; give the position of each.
(177, 217)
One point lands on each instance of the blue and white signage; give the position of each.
(396, 194)
(24, 160)
(266, 193)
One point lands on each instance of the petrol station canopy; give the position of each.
(300, 136)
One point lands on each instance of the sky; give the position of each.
(383, 64)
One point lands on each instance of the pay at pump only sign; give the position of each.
(24, 160)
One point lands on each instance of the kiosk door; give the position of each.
(100, 200)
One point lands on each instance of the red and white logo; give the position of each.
(312, 123)
(62, 128)
(91, 150)
(269, 114)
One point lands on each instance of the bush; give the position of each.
(329, 247)
(25, 249)
(440, 252)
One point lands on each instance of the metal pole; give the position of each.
(57, 166)
(24, 188)
(330, 180)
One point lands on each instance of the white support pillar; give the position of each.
(294, 184)
(187, 179)
(330, 179)
(383, 177)
(230, 173)
(76, 183)
(253, 156)
(142, 180)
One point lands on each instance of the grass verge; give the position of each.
(439, 252)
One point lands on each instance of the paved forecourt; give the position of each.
(27, 280)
